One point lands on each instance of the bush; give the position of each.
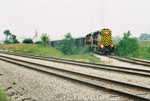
(45, 39)
(74, 50)
(66, 45)
(127, 46)
(38, 42)
(28, 41)
(15, 41)
(149, 50)
(84, 50)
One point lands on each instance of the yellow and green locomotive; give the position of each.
(100, 41)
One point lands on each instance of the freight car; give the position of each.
(79, 42)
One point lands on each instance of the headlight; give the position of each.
(112, 46)
(102, 46)
(106, 33)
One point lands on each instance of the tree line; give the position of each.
(144, 36)
(125, 47)
(66, 45)
(12, 39)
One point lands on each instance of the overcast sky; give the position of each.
(79, 17)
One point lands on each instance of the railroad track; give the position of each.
(134, 92)
(126, 70)
(129, 60)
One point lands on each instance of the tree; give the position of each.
(66, 45)
(144, 36)
(10, 38)
(127, 46)
(7, 33)
(45, 39)
(127, 35)
(28, 41)
(13, 39)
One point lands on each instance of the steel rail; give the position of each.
(133, 96)
(129, 60)
(89, 65)
(134, 59)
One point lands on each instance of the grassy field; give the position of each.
(144, 50)
(35, 49)
(3, 96)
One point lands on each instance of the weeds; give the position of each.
(3, 96)
(82, 54)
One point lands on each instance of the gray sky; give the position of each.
(79, 17)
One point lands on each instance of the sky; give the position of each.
(79, 17)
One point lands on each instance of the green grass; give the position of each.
(144, 43)
(143, 51)
(49, 51)
(88, 57)
(33, 49)
(3, 96)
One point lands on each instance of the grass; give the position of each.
(49, 51)
(144, 43)
(143, 51)
(3, 96)
(89, 57)
(33, 49)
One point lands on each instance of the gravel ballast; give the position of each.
(116, 62)
(28, 85)
(133, 79)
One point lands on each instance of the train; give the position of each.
(100, 41)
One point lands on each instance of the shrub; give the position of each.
(45, 39)
(66, 45)
(38, 42)
(127, 46)
(15, 41)
(28, 41)
(149, 50)
(84, 50)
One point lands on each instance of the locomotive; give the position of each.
(100, 41)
